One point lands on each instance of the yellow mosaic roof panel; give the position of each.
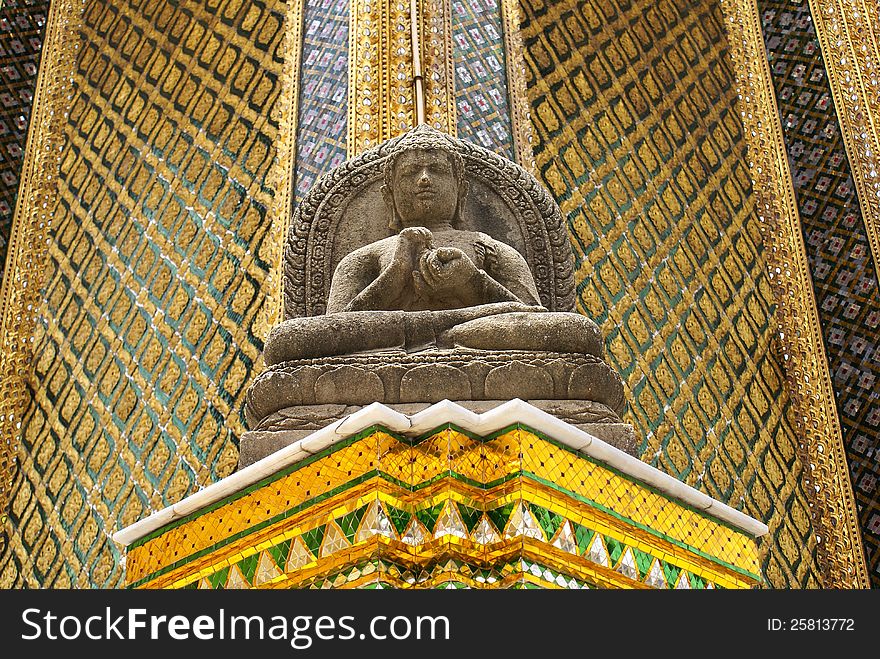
(339, 509)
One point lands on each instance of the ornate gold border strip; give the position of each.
(380, 95)
(439, 72)
(282, 173)
(32, 225)
(363, 76)
(835, 519)
(848, 36)
(521, 120)
(380, 70)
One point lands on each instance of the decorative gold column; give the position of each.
(281, 174)
(849, 36)
(835, 519)
(24, 271)
(381, 102)
(516, 81)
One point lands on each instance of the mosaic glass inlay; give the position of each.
(638, 136)
(837, 247)
(445, 510)
(481, 96)
(22, 23)
(323, 93)
(151, 309)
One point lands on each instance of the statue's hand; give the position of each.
(412, 242)
(444, 269)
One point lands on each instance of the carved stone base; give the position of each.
(429, 376)
(294, 423)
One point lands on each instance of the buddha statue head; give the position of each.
(424, 183)
(424, 178)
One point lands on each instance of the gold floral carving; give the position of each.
(29, 238)
(380, 89)
(834, 518)
(436, 25)
(282, 172)
(516, 84)
(849, 36)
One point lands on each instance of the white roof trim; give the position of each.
(514, 411)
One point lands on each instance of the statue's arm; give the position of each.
(360, 285)
(506, 275)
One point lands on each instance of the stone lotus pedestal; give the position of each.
(293, 399)
(446, 498)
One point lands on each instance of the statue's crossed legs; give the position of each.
(501, 326)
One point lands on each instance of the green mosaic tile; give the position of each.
(583, 536)
(280, 552)
(549, 521)
(313, 539)
(499, 516)
(349, 523)
(399, 518)
(218, 579)
(470, 516)
(428, 516)
(615, 550)
(248, 567)
(671, 573)
(643, 562)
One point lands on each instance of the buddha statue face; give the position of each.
(424, 189)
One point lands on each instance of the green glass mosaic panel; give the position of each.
(248, 566)
(470, 516)
(549, 521)
(428, 516)
(152, 306)
(313, 539)
(637, 136)
(499, 516)
(399, 518)
(349, 523)
(218, 579)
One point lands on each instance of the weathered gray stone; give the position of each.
(406, 290)
(559, 332)
(429, 269)
(596, 382)
(552, 378)
(292, 424)
(348, 209)
(257, 444)
(423, 382)
(349, 385)
(518, 380)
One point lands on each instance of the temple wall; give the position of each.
(185, 127)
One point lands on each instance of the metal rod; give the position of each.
(418, 80)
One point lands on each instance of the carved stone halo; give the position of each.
(345, 210)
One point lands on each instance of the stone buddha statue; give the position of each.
(427, 269)
(431, 284)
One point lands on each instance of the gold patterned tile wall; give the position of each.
(156, 276)
(153, 303)
(469, 511)
(638, 136)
